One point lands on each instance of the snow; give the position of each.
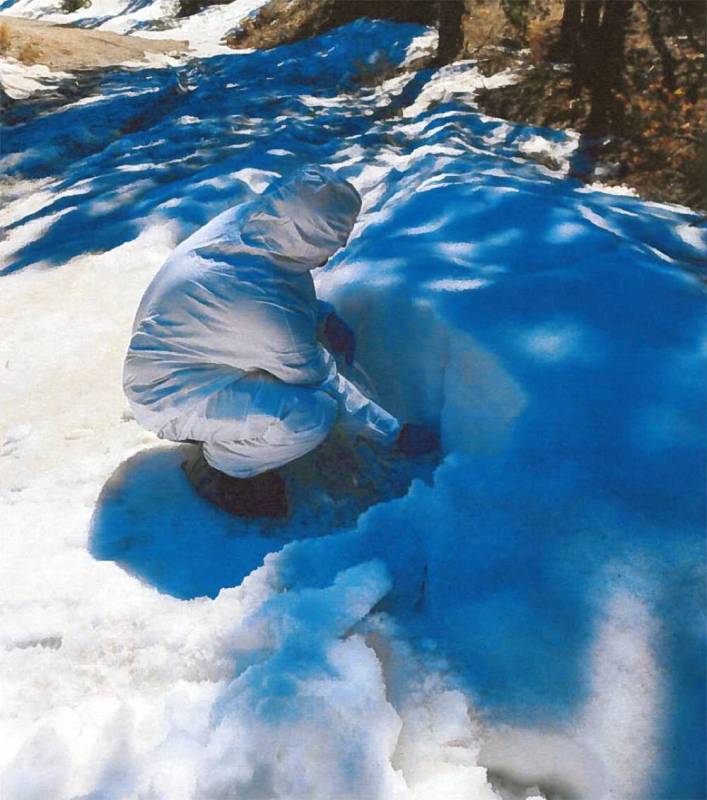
(522, 619)
(20, 81)
(458, 81)
(558, 153)
(204, 31)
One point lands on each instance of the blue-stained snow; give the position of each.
(556, 336)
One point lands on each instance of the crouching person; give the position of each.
(224, 350)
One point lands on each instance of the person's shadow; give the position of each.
(149, 519)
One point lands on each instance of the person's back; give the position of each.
(237, 297)
(224, 348)
(213, 313)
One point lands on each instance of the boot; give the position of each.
(260, 496)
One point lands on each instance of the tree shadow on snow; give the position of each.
(173, 141)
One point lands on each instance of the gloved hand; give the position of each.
(416, 440)
(340, 337)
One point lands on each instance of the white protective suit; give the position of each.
(224, 347)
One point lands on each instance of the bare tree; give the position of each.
(569, 29)
(451, 36)
(593, 37)
(658, 40)
(606, 79)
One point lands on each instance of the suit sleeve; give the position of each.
(307, 362)
(359, 413)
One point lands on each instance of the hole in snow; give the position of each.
(150, 521)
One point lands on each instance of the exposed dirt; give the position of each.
(62, 47)
(659, 147)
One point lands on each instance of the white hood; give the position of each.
(303, 221)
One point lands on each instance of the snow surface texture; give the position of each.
(20, 81)
(524, 623)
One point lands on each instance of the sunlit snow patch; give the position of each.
(460, 82)
(156, 19)
(20, 80)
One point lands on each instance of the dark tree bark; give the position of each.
(569, 29)
(585, 53)
(666, 59)
(591, 13)
(607, 69)
(451, 36)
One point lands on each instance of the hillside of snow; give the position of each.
(521, 618)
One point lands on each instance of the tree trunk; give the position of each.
(591, 12)
(585, 55)
(451, 36)
(606, 77)
(569, 29)
(666, 59)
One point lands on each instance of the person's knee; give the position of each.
(308, 418)
(311, 416)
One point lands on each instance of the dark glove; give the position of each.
(340, 337)
(416, 440)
